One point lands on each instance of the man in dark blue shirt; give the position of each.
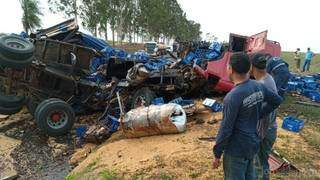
(238, 137)
(279, 69)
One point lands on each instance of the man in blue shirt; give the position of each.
(279, 69)
(307, 60)
(238, 137)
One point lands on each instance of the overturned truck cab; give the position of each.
(216, 71)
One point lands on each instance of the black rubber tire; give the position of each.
(146, 94)
(16, 48)
(46, 107)
(15, 64)
(42, 104)
(10, 110)
(32, 104)
(11, 101)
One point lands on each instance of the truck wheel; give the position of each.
(15, 64)
(32, 105)
(11, 101)
(16, 48)
(10, 110)
(142, 97)
(55, 117)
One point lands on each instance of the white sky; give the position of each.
(293, 23)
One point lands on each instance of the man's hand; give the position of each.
(215, 163)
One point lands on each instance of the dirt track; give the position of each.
(181, 156)
(30, 153)
(184, 156)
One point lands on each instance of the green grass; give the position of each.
(165, 176)
(86, 170)
(310, 114)
(110, 175)
(289, 57)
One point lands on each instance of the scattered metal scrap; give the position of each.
(278, 163)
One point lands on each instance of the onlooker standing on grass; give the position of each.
(267, 126)
(238, 137)
(279, 69)
(297, 58)
(307, 60)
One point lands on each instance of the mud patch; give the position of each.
(37, 156)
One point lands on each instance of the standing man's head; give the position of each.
(239, 67)
(309, 49)
(259, 64)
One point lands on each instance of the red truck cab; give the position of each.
(216, 71)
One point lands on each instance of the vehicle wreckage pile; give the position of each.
(66, 72)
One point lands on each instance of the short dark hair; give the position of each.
(240, 63)
(308, 49)
(258, 60)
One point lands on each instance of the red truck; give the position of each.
(216, 71)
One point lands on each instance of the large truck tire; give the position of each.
(31, 105)
(16, 48)
(15, 64)
(55, 117)
(10, 110)
(11, 101)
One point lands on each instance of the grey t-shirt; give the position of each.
(269, 83)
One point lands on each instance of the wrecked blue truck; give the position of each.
(60, 72)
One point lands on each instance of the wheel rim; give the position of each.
(140, 102)
(57, 119)
(14, 44)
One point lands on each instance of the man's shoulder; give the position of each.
(243, 88)
(270, 83)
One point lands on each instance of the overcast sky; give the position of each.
(293, 23)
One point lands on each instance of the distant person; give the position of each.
(279, 69)
(297, 58)
(307, 60)
(268, 125)
(238, 138)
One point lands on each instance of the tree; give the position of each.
(31, 13)
(103, 11)
(68, 7)
(89, 15)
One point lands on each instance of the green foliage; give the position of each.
(89, 15)
(126, 18)
(165, 17)
(68, 7)
(31, 13)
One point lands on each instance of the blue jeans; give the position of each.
(281, 77)
(261, 160)
(236, 168)
(306, 65)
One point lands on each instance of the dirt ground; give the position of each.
(25, 151)
(184, 156)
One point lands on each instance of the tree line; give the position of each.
(127, 19)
